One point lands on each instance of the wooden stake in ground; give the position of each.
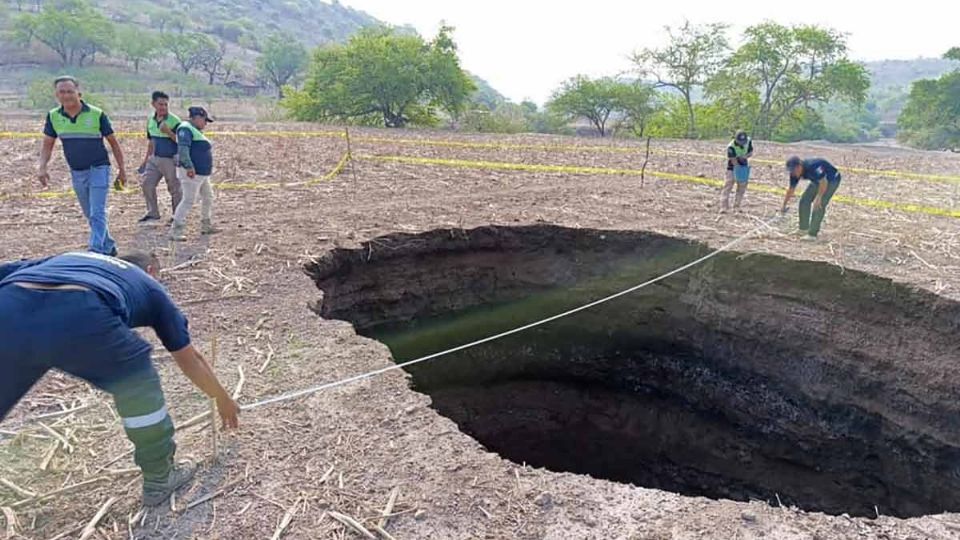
(214, 425)
(646, 159)
(285, 521)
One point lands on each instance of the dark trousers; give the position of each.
(812, 222)
(76, 332)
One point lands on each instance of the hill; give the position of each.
(241, 27)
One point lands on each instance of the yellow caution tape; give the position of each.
(517, 146)
(227, 186)
(528, 167)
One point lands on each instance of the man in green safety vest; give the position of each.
(195, 160)
(160, 159)
(739, 152)
(82, 127)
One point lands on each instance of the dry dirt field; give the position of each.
(292, 467)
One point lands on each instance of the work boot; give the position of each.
(155, 493)
(178, 232)
(207, 228)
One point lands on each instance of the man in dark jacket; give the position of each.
(824, 181)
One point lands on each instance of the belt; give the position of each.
(45, 287)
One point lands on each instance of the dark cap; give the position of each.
(793, 162)
(201, 112)
(741, 136)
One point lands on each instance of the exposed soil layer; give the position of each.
(749, 377)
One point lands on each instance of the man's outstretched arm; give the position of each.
(198, 370)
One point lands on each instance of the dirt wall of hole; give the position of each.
(847, 378)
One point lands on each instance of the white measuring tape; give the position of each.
(326, 386)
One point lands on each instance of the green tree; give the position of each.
(592, 99)
(137, 46)
(211, 54)
(692, 56)
(953, 54)
(282, 59)
(931, 117)
(789, 68)
(71, 28)
(187, 50)
(637, 103)
(380, 75)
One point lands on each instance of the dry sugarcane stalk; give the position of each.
(383, 533)
(285, 521)
(112, 461)
(214, 425)
(11, 517)
(353, 524)
(61, 491)
(17, 489)
(213, 495)
(391, 501)
(45, 464)
(91, 527)
(67, 533)
(56, 434)
(239, 388)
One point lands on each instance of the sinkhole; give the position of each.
(748, 377)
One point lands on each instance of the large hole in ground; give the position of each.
(749, 377)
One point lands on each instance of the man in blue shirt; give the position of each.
(824, 180)
(195, 157)
(82, 128)
(76, 312)
(160, 161)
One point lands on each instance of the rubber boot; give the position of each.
(155, 493)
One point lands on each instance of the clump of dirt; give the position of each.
(750, 377)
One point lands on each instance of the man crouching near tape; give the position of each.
(76, 312)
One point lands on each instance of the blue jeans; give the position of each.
(92, 187)
(76, 332)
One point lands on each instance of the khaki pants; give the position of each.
(160, 168)
(198, 186)
(727, 188)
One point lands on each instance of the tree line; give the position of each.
(79, 34)
(931, 117)
(774, 83)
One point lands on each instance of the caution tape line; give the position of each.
(226, 186)
(943, 178)
(528, 167)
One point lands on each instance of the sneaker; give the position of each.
(178, 233)
(808, 238)
(207, 228)
(148, 218)
(156, 493)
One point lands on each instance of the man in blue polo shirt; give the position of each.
(160, 160)
(824, 181)
(82, 128)
(76, 312)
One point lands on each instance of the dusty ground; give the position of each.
(346, 450)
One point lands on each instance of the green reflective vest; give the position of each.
(86, 126)
(153, 127)
(740, 151)
(197, 134)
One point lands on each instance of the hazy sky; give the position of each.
(525, 48)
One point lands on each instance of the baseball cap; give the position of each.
(199, 111)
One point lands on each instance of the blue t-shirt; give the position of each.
(816, 170)
(138, 299)
(82, 153)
